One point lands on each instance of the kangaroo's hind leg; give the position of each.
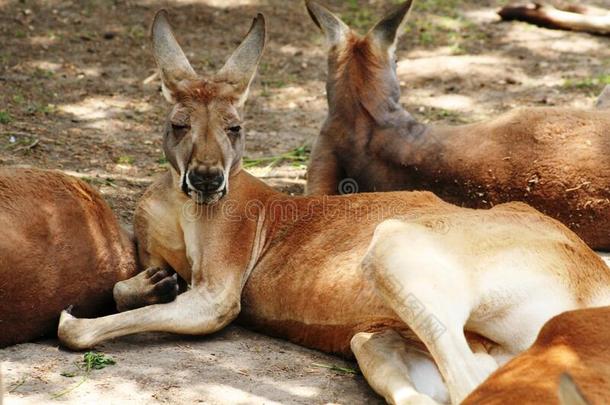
(432, 295)
(400, 374)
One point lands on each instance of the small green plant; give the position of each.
(433, 114)
(5, 117)
(35, 108)
(91, 361)
(334, 367)
(588, 83)
(273, 83)
(137, 32)
(43, 73)
(99, 181)
(96, 361)
(47, 109)
(125, 160)
(298, 157)
(109, 182)
(68, 374)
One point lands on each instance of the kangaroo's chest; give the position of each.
(159, 229)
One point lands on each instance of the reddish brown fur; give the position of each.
(61, 246)
(298, 267)
(551, 158)
(339, 300)
(575, 342)
(356, 63)
(203, 92)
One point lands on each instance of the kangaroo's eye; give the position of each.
(235, 130)
(180, 129)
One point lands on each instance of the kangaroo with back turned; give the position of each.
(61, 245)
(555, 159)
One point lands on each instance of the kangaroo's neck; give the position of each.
(377, 119)
(370, 104)
(232, 231)
(246, 196)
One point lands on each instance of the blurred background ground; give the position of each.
(72, 97)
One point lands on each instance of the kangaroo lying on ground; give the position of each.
(577, 343)
(574, 17)
(332, 272)
(61, 244)
(555, 159)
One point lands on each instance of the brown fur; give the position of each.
(319, 270)
(204, 92)
(61, 246)
(340, 299)
(555, 159)
(575, 342)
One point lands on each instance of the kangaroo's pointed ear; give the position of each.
(241, 66)
(331, 25)
(173, 64)
(386, 31)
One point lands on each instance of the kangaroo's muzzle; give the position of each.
(207, 184)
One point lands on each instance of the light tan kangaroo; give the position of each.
(335, 273)
(61, 245)
(554, 159)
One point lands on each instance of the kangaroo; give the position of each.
(572, 17)
(554, 159)
(392, 279)
(61, 245)
(572, 344)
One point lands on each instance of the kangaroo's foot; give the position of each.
(152, 286)
(402, 376)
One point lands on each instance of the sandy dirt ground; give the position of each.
(73, 97)
(234, 366)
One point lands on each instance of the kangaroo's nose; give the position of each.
(206, 180)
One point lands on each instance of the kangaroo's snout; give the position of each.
(206, 180)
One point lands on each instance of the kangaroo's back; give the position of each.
(61, 246)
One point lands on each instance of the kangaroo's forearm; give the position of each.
(194, 313)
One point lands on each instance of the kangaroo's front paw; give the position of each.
(165, 287)
(153, 286)
(72, 332)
